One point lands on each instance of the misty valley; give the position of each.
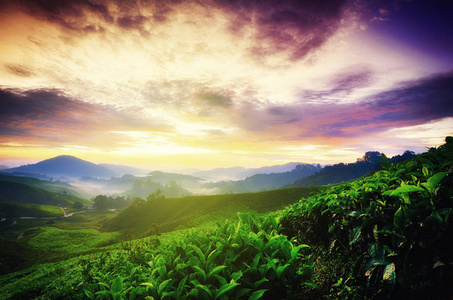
(378, 227)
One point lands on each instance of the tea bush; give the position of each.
(243, 259)
(397, 223)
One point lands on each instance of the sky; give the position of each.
(221, 83)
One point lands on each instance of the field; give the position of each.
(385, 236)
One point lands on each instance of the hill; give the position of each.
(121, 170)
(370, 162)
(64, 166)
(263, 182)
(51, 186)
(172, 213)
(239, 173)
(22, 193)
(10, 209)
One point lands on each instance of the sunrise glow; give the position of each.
(222, 83)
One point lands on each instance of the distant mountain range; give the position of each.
(264, 182)
(64, 167)
(239, 173)
(117, 179)
(337, 173)
(121, 170)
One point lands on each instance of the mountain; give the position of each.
(121, 170)
(64, 166)
(239, 173)
(262, 182)
(370, 162)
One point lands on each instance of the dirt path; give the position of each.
(64, 212)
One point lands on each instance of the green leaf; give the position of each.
(406, 189)
(257, 294)
(259, 282)
(204, 288)
(281, 269)
(376, 251)
(194, 293)
(225, 288)
(236, 275)
(295, 250)
(89, 294)
(199, 252)
(434, 180)
(398, 219)
(181, 284)
(201, 272)
(425, 171)
(310, 284)
(162, 286)
(354, 235)
(256, 260)
(242, 292)
(389, 273)
(216, 270)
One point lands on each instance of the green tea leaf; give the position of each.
(434, 180)
(257, 294)
(310, 284)
(236, 275)
(89, 294)
(259, 282)
(281, 270)
(354, 235)
(216, 270)
(295, 250)
(398, 219)
(406, 189)
(162, 286)
(225, 288)
(425, 171)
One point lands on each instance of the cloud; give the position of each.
(297, 27)
(77, 15)
(291, 27)
(412, 103)
(52, 117)
(18, 70)
(215, 99)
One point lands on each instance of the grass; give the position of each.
(194, 211)
(71, 241)
(14, 209)
(91, 219)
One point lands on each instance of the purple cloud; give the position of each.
(413, 103)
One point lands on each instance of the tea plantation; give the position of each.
(385, 236)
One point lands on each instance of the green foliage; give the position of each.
(10, 209)
(244, 259)
(397, 223)
(71, 241)
(193, 211)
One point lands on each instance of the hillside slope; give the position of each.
(19, 192)
(50, 186)
(170, 213)
(264, 182)
(345, 172)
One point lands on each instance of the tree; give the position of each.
(78, 205)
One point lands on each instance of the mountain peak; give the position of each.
(65, 166)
